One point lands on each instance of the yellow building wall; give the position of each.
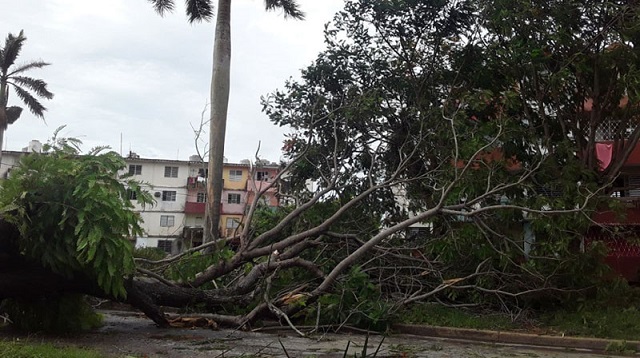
(228, 231)
(235, 185)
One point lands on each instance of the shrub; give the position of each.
(64, 313)
(74, 214)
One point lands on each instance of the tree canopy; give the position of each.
(13, 79)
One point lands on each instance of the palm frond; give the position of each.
(290, 8)
(13, 113)
(38, 86)
(199, 10)
(28, 66)
(11, 50)
(32, 103)
(162, 6)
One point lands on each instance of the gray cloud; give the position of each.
(121, 70)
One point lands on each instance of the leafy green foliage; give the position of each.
(572, 66)
(193, 264)
(65, 313)
(149, 253)
(74, 214)
(360, 220)
(471, 107)
(356, 301)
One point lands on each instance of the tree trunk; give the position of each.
(2, 166)
(3, 116)
(218, 121)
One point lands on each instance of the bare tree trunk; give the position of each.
(218, 123)
(2, 129)
(3, 116)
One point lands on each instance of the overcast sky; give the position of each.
(119, 69)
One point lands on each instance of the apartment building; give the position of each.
(176, 220)
(166, 180)
(179, 187)
(241, 182)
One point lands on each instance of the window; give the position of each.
(167, 220)
(201, 198)
(233, 198)
(168, 195)
(262, 176)
(235, 175)
(132, 195)
(135, 169)
(203, 173)
(231, 226)
(165, 245)
(170, 172)
(199, 221)
(265, 200)
(232, 223)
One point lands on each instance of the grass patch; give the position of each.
(14, 349)
(622, 348)
(438, 315)
(589, 319)
(610, 313)
(596, 321)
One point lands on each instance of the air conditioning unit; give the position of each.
(157, 194)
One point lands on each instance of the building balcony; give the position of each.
(194, 208)
(233, 208)
(196, 183)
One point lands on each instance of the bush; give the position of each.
(74, 214)
(356, 301)
(193, 264)
(148, 253)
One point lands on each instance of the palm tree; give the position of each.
(202, 10)
(28, 89)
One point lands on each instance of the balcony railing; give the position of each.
(194, 208)
(612, 129)
(196, 183)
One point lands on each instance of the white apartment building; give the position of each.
(163, 222)
(179, 188)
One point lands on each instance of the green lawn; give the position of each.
(16, 349)
(592, 318)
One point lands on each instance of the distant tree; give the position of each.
(202, 10)
(569, 71)
(28, 89)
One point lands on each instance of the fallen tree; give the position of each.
(66, 219)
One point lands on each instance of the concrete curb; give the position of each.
(595, 344)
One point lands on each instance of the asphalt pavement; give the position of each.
(133, 335)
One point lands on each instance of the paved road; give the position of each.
(133, 336)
